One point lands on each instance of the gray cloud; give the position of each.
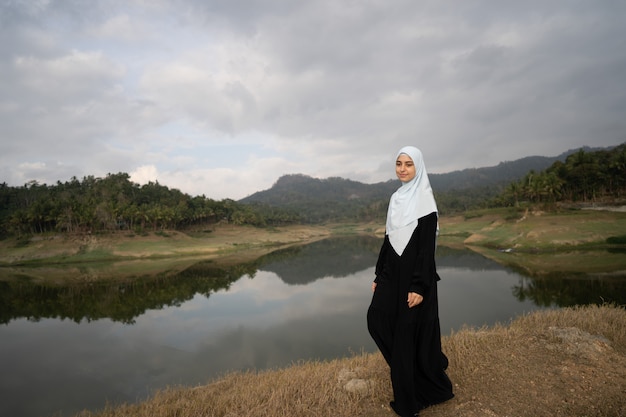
(234, 94)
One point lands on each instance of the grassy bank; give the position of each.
(121, 256)
(567, 362)
(219, 241)
(496, 229)
(538, 243)
(534, 231)
(543, 242)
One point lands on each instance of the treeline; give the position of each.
(598, 176)
(116, 203)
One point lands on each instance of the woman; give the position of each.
(403, 317)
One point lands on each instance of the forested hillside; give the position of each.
(319, 200)
(598, 176)
(503, 173)
(336, 198)
(114, 203)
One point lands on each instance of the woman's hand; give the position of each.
(414, 299)
(373, 286)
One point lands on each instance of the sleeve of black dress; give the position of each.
(382, 255)
(425, 272)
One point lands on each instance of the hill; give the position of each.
(499, 175)
(316, 199)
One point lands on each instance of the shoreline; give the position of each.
(526, 241)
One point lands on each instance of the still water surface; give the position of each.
(67, 349)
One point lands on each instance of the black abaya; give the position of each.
(410, 338)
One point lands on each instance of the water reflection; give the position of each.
(568, 290)
(299, 265)
(338, 257)
(120, 301)
(78, 347)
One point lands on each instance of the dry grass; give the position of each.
(539, 242)
(304, 389)
(535, 230)
(567, 362)
(223, 239)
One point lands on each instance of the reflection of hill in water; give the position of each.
(343, 256)
(333, 257)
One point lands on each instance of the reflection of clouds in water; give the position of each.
(326, 321)
(344, 294)
(260, 303)
(259, 323)
(265, 286)
(84, 361)
(325, 296)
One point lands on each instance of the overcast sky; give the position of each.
(222, 97)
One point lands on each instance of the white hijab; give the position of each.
(414, 199)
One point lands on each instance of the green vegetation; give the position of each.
(583, 177)
(113, 203)
(616, 240)
(542, 243)
(536, 230)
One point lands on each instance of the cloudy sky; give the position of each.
(222, 97)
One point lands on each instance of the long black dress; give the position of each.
(410, 338)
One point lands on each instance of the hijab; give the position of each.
(414, 199)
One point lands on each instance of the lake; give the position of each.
(64, 349)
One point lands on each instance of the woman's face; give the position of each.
(405, 169)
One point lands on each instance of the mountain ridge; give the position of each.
(297, 189)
